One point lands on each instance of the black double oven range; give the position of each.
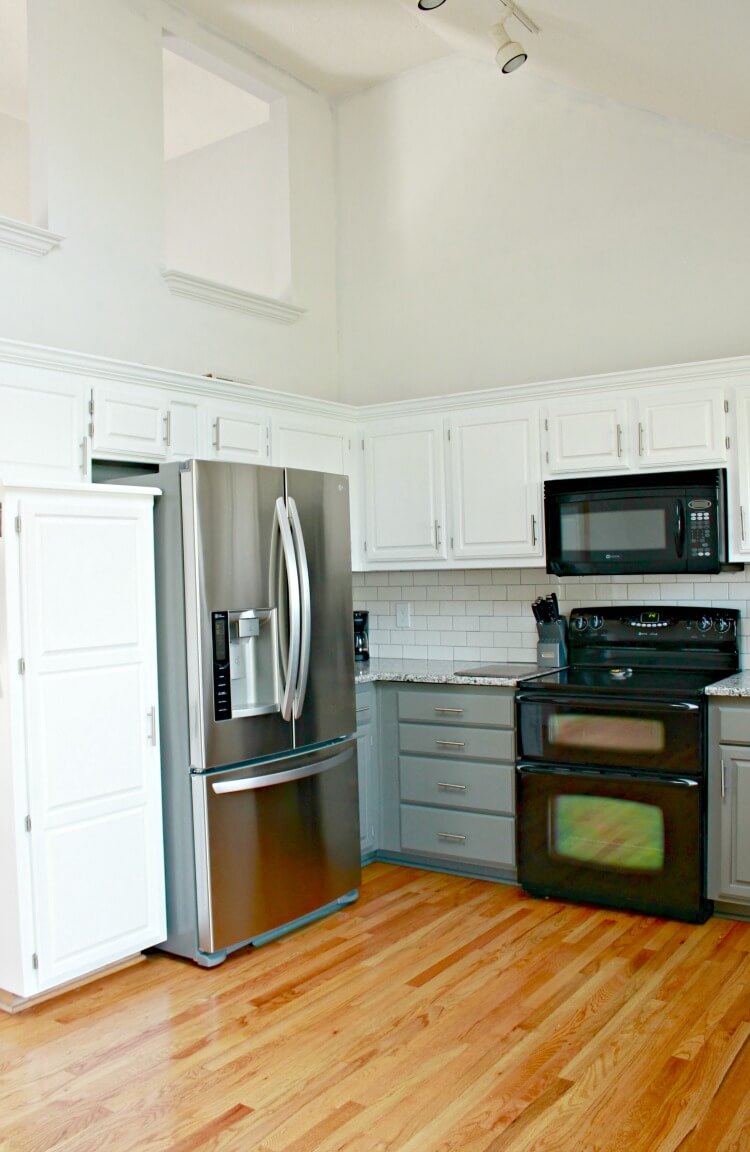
(612, 760)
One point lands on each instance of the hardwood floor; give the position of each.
(437, 1014)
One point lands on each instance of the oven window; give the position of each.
(612, 834)
(609, 733)
(619, 530)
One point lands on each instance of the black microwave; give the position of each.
(658, 522)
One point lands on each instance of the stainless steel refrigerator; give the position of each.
(254, 619)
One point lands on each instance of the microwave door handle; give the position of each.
(290, 661)
(679, 529)
(305, 608)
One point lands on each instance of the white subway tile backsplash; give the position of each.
(485, 614)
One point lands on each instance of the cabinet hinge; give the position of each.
(546, 424)
(451, 543)
(27, 823)
(726, 405)
(22, 667)
(449, 434)
(363, 445)
(727, 442)
(34, 960)
(365, 545)
(546, 456)
(268, 441)
(91, 414)
(18, 525)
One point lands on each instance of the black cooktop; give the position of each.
(627, 681)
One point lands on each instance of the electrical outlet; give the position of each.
(403, 615)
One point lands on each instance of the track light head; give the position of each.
(428, 5)
(510, 54)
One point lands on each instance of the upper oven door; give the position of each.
(665, 737)
(609, 532)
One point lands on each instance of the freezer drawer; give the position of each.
(274, 841)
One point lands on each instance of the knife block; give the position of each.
(552, 648)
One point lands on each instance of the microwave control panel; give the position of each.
(701, 526)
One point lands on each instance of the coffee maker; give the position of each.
(361, 637)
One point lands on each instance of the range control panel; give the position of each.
(654, 627)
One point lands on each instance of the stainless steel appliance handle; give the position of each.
(305, 608)
(606, 774)
(251, 783)
(679, 529)
(291, 661)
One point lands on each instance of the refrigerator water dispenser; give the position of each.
(246, 680)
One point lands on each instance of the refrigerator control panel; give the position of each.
(222, 679)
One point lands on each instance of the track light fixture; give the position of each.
(509, 54)
(428, 5)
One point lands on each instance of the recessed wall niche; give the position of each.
(15, 183)
(226, 175)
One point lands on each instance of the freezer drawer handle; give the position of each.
(452, 837)
(251, 783)
(305, 608)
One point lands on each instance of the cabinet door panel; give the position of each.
(129, 422)
(240, 434)
(680, 428)
(42, 426)
(405, 493)
(93, 761)
(586, 434)
(183, 429)
(496, 484)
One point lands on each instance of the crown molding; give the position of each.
(224, 296)
(218, 387)
(732, 370)
(21, 237)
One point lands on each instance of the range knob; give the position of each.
(723, 625)
(597, 622)
(704, 624)
(580, 623)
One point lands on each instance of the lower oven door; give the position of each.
(607, 837)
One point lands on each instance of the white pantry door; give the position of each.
(89, 647)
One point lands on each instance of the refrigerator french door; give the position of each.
(254, 619)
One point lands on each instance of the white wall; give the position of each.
(14, 168)
(485, 615)
(498, 230)
(227, 209)
(101, 291)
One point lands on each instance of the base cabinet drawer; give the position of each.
(458, 743)
(458, 706)
(458, 784)
(471, 837)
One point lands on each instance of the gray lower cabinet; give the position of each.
(456, 752)
(729, 801)
(367, 767)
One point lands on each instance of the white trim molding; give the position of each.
(211, 292)
(21, 237)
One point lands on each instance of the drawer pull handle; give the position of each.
(451, 743)
(451, 836)
(452, 711)
(452, 787)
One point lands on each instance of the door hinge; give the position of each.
(727, 442)
(34, 960)
(726, 405)
(18, 525)
(21, 667)
(27, 823)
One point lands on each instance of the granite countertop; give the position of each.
(737, 685)
(439, 672)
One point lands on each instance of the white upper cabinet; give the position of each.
(495, 484)
(677, 427)
(404, 490)
(128, 422)
(301, 441)
(646, 429)
(240, 433)
(43, 426)
(586, 434)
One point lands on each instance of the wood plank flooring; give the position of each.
(438, 1014)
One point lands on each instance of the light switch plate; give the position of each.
(403, 615)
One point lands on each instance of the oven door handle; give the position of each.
(679, 529)
(598, 703)
(607, 774)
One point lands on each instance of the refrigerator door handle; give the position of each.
(290, 661)
(251, 783)
(305, 608)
